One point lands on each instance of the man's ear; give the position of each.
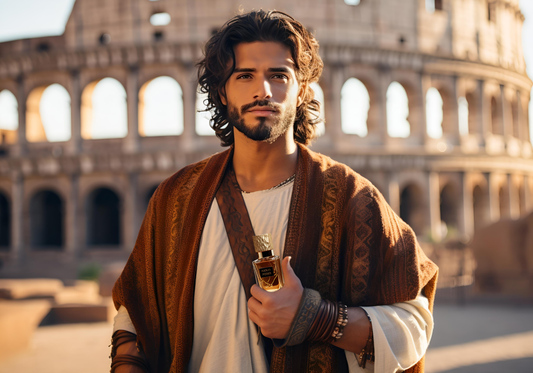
(301, 93)
(222, 96)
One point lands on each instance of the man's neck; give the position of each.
(260, 165)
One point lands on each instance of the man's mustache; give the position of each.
(266, 103)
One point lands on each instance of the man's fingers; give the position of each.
(258, 293)
(254, 305)
(288, 272)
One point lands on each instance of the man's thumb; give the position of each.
(288, 272)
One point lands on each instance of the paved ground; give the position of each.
(471, 339)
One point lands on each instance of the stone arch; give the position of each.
(104, 111)
(496, 116)
(449, 208)
(9, 117)
(202, 117)
(5, 222)
(48, 115)
(398, 111)
(103, 218)
(319, 96)
(46, 220)
(480, 207)
(355, 106)
(161, 107)
(412, 208)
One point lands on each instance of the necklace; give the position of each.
(284, 182)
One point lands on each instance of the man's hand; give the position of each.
(274, 312)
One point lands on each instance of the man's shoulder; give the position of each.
(184, 179)
(337, 172)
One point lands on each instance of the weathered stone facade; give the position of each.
(466, 180)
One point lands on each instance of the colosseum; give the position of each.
(428, 99)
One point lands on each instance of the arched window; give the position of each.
(9, 117)
(448, 209)
(5, 223)
(161, 108)
(397, 111)
(411, 208)
(464, 116)
(202, 117)
(48, 114)
(46, 220)
(355, 102)
(319, 96)
(103, 218)
(434, 113)
(104, 112)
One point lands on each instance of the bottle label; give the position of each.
(266, 272)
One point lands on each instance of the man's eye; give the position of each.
(279, 76)
(244, 76)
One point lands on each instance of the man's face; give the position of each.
(262, 93)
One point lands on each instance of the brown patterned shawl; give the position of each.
(345, 240)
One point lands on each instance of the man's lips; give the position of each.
(261, 110)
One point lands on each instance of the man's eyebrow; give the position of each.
(271, 69)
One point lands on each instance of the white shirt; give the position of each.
(226, 339)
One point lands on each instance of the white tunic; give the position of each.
(226, 340)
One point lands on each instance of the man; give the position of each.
(184, 295)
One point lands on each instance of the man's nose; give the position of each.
(263, 90)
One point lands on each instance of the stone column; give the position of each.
(455, 134)
(425, 85)
(514, 200)
(20, 147)
(384, 82)
(131, 142)
(188, 136)
(494, 199)
(528, 200)
(484, 117)
(130, 225)
(74, 144)
(466, 208)
(17, 223)
(393, 193)
(73, 244)
(434, 205)
(507, 122)
(333, 105)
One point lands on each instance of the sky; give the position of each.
(33, 18)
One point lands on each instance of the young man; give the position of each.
(358, 286)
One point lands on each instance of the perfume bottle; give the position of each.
(267, 268)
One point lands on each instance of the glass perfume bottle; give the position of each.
(267, 268)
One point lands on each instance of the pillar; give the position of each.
(466, 208)
(494, 198)
(131, 142)
(20, 147)
(17, 224)
(434, 205)
(72, 218)
(74, 144)
(514, 200)
(188, 136)
(129, 221)
(393, 193)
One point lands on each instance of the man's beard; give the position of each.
(261, 131)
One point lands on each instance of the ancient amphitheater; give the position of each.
(426, 98)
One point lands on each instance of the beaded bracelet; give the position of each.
(342, 321)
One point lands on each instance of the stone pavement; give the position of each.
(473, 339)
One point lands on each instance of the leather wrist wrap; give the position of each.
(305, 316)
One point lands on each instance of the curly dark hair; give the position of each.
(218, 65)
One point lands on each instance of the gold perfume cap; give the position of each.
(263, 242)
